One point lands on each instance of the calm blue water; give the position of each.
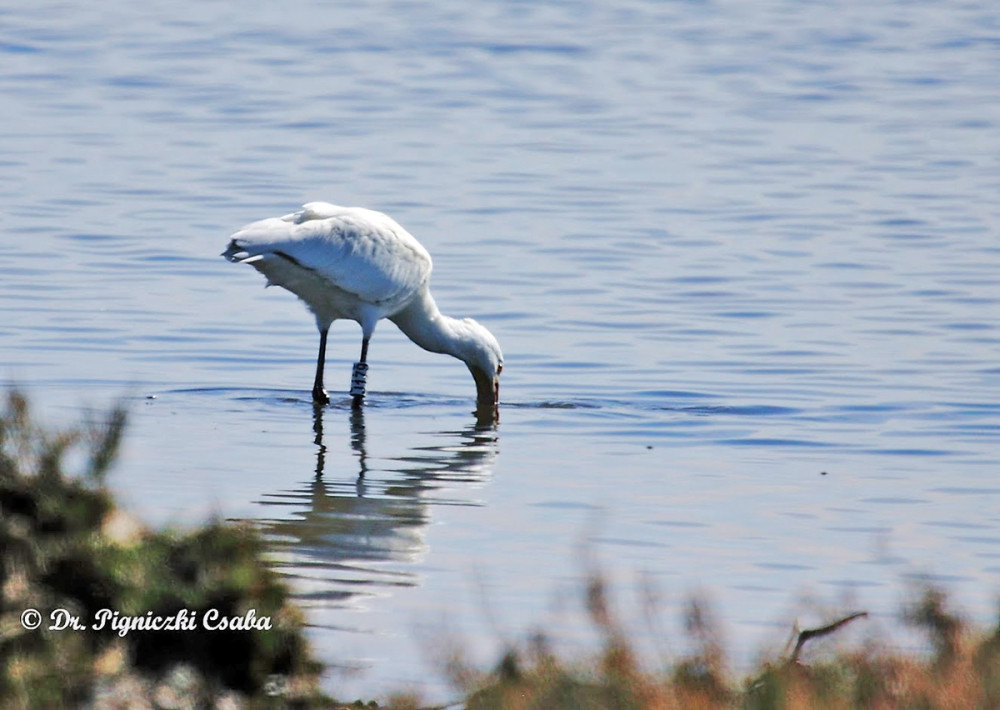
(742, 257)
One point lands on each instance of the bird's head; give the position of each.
(485, 362)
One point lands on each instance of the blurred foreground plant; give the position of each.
(66, 546)
(962, 672)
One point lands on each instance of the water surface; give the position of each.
(742, 259)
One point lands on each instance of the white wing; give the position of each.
(360, 251)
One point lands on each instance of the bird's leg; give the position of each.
(359, 376)
(319, 392)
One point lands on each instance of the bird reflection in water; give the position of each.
(357, 442)
(340, 537)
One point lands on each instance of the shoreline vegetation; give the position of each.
(99, 611)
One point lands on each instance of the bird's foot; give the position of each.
(320, 396)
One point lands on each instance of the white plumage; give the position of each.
(359, 264)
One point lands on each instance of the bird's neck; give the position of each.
(425, 325)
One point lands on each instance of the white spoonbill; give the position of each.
(354, 263)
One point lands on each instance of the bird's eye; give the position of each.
(499, 368)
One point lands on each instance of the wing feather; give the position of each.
(360, 251)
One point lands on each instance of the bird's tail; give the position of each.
(239, 254)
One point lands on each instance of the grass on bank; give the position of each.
(64, 544)
(962, 672)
